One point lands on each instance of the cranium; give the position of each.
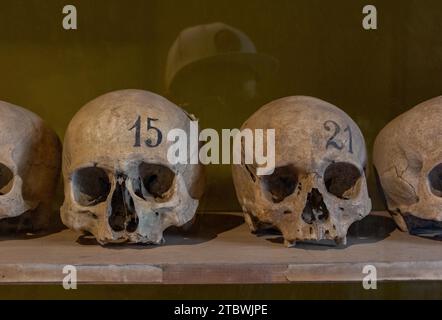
(30, 157)
(408, 160)
(318, 188)
(119, 184)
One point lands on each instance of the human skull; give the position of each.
(119, 184)
(318, 188)
(30, 158)
(408, 159)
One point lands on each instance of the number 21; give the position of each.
(331, 142)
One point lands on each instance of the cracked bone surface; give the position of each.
(119, 184)
(30, 160)
(407, 156)
(318, 188)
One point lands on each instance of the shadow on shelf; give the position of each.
(21, 227)
(206, 227)
(373, 228)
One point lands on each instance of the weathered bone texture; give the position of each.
(30, 160)
(408, 159)
(318, 188)
(119, 189)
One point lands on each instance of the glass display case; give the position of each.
(282, 148)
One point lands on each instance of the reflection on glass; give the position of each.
(216, 66)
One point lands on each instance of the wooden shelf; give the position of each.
(222, 250)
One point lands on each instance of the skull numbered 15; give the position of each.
(318, 188)
(119, 185)
(30, 159)
(408, 159)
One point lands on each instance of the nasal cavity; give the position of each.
(315, 208)
(123, 215)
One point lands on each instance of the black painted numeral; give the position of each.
(137, 127)
(149, 142)
(159, 135)
(350, 139)
(331, 125)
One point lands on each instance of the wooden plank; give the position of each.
(94, 274)
(221, 249)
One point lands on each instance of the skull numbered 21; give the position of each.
(119, 185)
(30, 158)
(318, 188)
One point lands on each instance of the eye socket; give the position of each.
(435, 180)
(342, 179)
(6, 179)
(281, 183)
(91, 186)
(155, 180)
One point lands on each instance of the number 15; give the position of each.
(149, 143)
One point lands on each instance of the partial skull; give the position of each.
(408, 160)
(119, 184)
(318, 188)
(30, 160)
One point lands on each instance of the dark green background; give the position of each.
(321, 46)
